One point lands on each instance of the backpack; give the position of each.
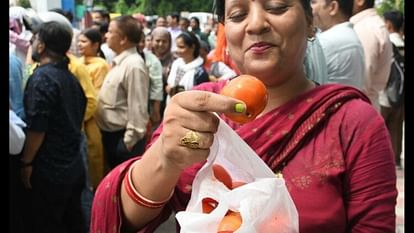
(395, 85)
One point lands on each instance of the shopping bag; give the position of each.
(263, 202)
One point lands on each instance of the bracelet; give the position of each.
(137, 197)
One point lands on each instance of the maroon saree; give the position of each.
(332, 148)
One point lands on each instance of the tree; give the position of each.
(387, 5)
(158, 7)
(24, 3)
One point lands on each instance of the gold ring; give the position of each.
(191, 140)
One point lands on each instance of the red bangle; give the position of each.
(137, 197)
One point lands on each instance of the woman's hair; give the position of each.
(197, 20)
(191, 40)
(345, 6)
(219, 9)
(129, 28)
(369, 4)
(94, 36)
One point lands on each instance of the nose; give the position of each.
(257, 20)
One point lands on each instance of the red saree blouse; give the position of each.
(332, 148)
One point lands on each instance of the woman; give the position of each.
(337, 163)
(195, 28)
(187, 71)
(89, 44)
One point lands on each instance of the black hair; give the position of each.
(345, 6)
(190, 39)
(103, 26)
(369, 4)
(205, 45)
(197, 21)
(69, 16)
(218, 9)
(129, 28)
(94, 35)
(176, 16)
(104, 13)
(396, 18)
(55, 37)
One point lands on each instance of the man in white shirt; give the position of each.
(374, 37)
(122, 113)
(343, 51)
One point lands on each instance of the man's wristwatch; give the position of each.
(25, 164)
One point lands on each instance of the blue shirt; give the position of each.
(15, 85)
(55, 104)
(344, 55)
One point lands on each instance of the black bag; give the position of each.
(395, 85)
(200, 76)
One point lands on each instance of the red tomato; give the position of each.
(222, 175)
(236, 184)
(251, 91)
(209, 204)
(230, 222)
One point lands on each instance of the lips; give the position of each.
(260, 47)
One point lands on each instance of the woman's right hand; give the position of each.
(192, 111)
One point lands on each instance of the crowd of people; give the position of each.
(90, 105)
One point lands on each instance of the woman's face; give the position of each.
(160, 44)
(184, 51)
(86, 47)
(194, 24)
(267, 38)
(148, 42)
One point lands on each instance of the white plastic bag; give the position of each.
(264, 202)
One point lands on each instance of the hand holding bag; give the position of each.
(264, 202)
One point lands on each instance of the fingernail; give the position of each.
(239, 107)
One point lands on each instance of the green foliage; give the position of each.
(157, 7)
(387, 5)
(24, 3)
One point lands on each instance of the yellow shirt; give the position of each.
(97, 69)
(80, 72)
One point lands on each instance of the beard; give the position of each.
(36, 56)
